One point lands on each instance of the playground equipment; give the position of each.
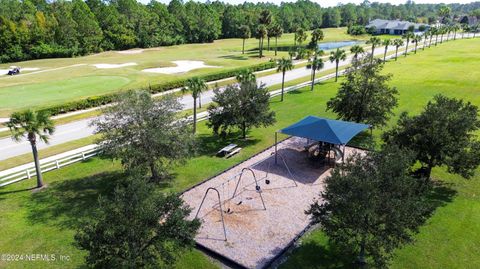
(277, 155)
(224, 204)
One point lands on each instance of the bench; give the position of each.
(226, 150)
(233, 152)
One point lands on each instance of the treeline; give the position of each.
(31, 29)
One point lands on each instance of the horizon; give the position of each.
(329, 3)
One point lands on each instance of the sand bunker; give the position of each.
(182, 67)
(130, 51)
(111, 66)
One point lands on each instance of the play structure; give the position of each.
(255, 210)
(225, 200)
(330, 137)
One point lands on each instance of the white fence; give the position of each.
(28, 171)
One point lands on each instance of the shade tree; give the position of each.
(365, 96)
(443, 134)
(145, 134)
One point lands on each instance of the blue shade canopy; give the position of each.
(325, 130)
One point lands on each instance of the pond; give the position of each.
(334, 45)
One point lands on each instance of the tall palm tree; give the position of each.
(437, 32)
(316, 63)
(432, 32)
(386, 42)
(261, 34)
(283, 65)
(277, 32)
(317, 35)
(397, 43)
(444, 12)
(300, 36)
(408, 35)
(416, 39)
(337, 56)
(464, 29)
(245, 33)
(375, 41)
(442, 31)
(455, 28)
(356, 50)
(32, 125)
(448, 30)
(425, 38)
(195, 85)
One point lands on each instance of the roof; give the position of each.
(325, 130)
(393, 24)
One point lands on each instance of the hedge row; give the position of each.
(96, 101)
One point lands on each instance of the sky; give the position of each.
(329, 3)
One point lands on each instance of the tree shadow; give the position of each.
(236, 57)
(67, 203)
(208, 144)
(441, 194)
(314, 255)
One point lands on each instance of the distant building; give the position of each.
(469, 20)
(391, 27)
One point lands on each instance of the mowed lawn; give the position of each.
(66, 79)
(45, 222)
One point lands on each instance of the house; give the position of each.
(393, 27)
(469, 20)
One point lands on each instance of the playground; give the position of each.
(255, 210)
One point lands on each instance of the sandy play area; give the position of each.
(256, 235)
(112, 66)
(182, 67)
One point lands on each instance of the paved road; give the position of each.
(81, 129)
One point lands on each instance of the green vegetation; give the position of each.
(46, 221)
(80, 79)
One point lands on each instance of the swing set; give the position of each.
(224, 204)
(224, 201)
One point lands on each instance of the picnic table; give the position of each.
(229, 151)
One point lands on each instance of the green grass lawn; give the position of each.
(45, 222)
(66, 79)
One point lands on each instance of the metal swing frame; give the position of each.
(257, 187)
(219, 203)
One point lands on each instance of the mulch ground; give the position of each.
(256, 235)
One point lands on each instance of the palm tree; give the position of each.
(397, 43)
(292, 53)
(455, 28)
(283, 65)
(245, 75)
(245, 33)
(195, 85)
(443, 12)
(300, 36)
(416, 39)
(425, 38)
(30, 125)
(356, 50)
(316, 63)
(277, 32)
(437, 32)
(464, 29)
(375, 41)
(317, 35)
(337, 56)
(408, 35)
(432, 32)
(448, 30)
(386, 43)
(261, 34)
(442, 31)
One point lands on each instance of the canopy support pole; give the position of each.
(343, 155)
(276, 142)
